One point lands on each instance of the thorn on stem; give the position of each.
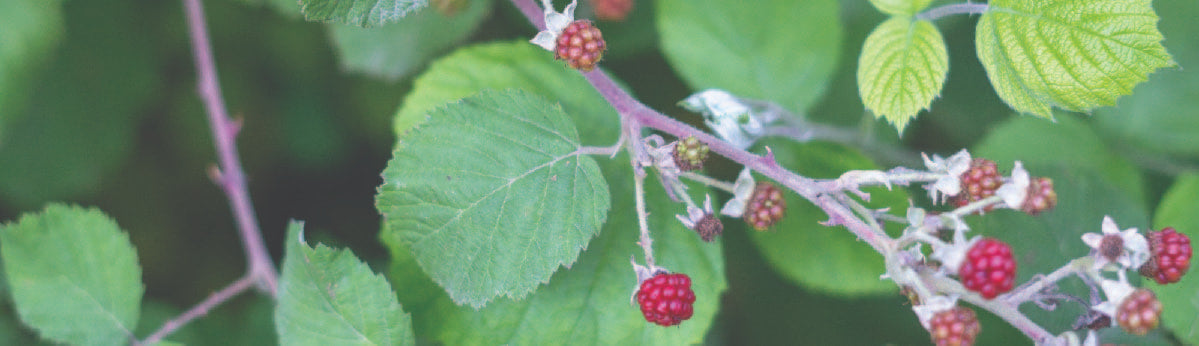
(768, 159)
(235, 125)
(215, 174)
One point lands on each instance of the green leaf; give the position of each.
(1068, 142)
(74, 275)
(394, 50)
(826, 259)
(503, 65)
(902, 68)
(329, 297)
(1071, 54)
(29, 29)
(363, 13)
(493, 195)
(906, 8)
(1162, 115)
(1181, 299)
(588, 303)
(779, 50)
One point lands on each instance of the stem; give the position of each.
(1025, 293)
(952, 9)
(230, 175)
(1000, 307)
(646, 242)
(809, 131)
(709, 181)
(217, 298)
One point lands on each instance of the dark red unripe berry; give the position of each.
(954, 327)
(1140, 312)
(1041, 196)
(612, 10)
(1170, 256)
(581, 45)
(766, 206)
(708, 227)
(978, 182)
(988, 268)
(666, 299)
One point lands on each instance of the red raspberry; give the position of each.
(612, 10)
(954, 327)
(690, 154)
(988, 268)
(1171, 256)
(766, 206)
(1140, 312)
(666, 299)
(1041, 196)
(581, 45)
(978, 182)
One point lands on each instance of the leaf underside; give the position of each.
(362, 13)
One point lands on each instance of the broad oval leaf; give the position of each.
(1071, 54)
(493, 195)
(826, 259)
(74, 275)
(902, 69)
(1181, 299)
(779, 50)
(363, 13)
(329, 297)
(395, 50)
(905, 8)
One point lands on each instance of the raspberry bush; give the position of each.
(604, 171)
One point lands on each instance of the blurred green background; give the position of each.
(98, 108)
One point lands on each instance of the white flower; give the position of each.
(1016, 191)
(1134, 248)
(1115, 291)
(743, 189)
(736, 120)
(952, 255)
(695, 214)
(951, 169)
(554, 24)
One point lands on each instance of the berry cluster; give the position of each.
(666, 299)
(690, 154)
(766, 206)
(1140, 312)
(978, 182)
(957, 326)
(581, 45)
(988, 268)
(1171, 256)
(612, 10)
(1041, 196)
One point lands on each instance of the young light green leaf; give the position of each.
(329, 297)
(1071, 54)
(363, 13)
(905, 8)
(395, 50)
(493, 195)
(1181, 299)
(826, 259)
(902, 68)
(74, 275)
(502, 65)
(779, 50)
(588, 303)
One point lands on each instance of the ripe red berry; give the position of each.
(1041, 196)
(766, 206)
(666, 299)
(1170, 256)
(954, 327)
(612, 10)
(1140, 312)
(690, 154)
(581, 45)
(988, 268)
(978, 182)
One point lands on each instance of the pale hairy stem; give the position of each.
(1000, 307)
(709, 181)
(201, 309)
(952, 9)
